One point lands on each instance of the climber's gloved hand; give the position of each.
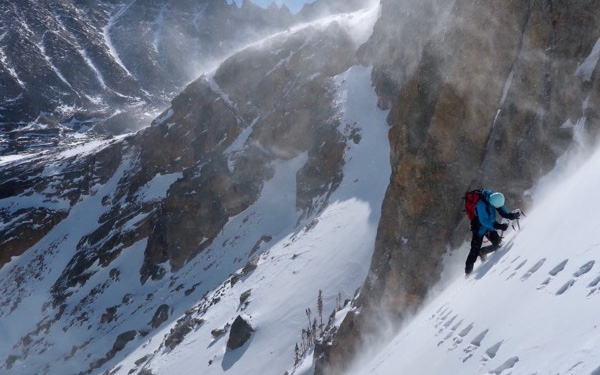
(516, 214)
(499, 226)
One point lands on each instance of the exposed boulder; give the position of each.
(218, 332)
(244, 296)
(240, 333)
(120, 343)
(110, 315)
(123, 339)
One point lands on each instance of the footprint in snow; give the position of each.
(444, 339)
(559, 268)
(533, 269)
(446, 325)
(510, 264)
(459, 339)
(489, 354)
(508, 364)
(585, 268)
(455, 327)
(581, 271)
(553, 272)
(445, 314)
(474, 345)
(516, 269)
(593, 286)
(443, 328)
(451, 333)
(439, 311)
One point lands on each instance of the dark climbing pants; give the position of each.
(476, 242)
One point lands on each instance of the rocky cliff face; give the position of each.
(493, 100)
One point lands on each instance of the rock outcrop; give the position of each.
(240, 333)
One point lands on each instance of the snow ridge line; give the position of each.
(42, 50)
(586, 69)
(108, 41)
(91, 64)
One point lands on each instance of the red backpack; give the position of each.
(471, 198)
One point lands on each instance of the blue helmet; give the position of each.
(496, 200)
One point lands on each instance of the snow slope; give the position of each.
(531, 308)
(331, 253)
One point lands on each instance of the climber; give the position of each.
(481, 207)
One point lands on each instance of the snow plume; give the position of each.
(357, 24)
(402, 32)
(567, 164)
(293, 5)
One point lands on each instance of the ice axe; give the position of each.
(518, 223)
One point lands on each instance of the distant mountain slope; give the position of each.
(69, 65)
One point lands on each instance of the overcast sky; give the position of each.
(294, 5)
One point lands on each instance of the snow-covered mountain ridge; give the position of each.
(531, 308)
(112, 245)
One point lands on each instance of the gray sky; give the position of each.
(294, 5)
